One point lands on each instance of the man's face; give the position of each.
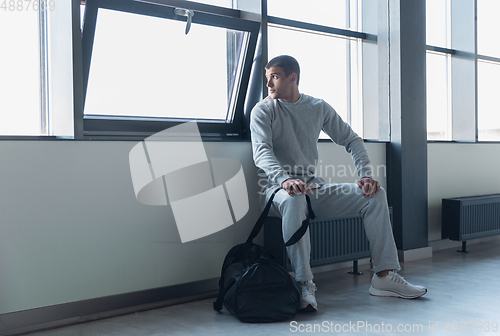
(280, 86)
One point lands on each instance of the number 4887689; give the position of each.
(27, 5)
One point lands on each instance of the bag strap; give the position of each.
(222, 294)
(260, 222)
(296, 237)
(300, 232)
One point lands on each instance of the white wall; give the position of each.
(459, 169)
(71, 228)
(335, 164)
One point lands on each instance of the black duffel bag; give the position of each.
(253, 286)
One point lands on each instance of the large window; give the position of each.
(463, 63)
(20, 76)
(142, 73)
(488, 79)
(488, 26)
(146, 67)
(332, 13)
(438, 40)
(144, 70)
(36, 92)
(438, 23)
(221, 3)
(324, 72)
(327, 44)
(488, 70)
(438, 106)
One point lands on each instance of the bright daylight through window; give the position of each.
(330, 63)
(147, 67)
(488, 76)
(144, 71)
(439, 117)
(20, 112)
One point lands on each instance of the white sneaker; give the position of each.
(308, 301)
(395, 285)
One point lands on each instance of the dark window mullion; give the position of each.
(440, 50)
(314, 27)
(489, 59)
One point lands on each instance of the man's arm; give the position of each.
(342, 134)
(262, 145)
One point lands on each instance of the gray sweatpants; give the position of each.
(336, 200)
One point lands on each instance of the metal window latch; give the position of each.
(185, 12)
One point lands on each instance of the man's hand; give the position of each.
(295, 186)
(369, 186)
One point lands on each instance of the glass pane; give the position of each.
(322, 12)
(147, 67)
(60, 63)
(438, 116)
(488, 85)
(19, 73)
(323, 64)
(220, 3)
(437, 22)
(488, 27)
(375, 117)
(82, 15)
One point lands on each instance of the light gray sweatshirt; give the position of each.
(285, 136)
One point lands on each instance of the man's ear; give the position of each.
(294, 77)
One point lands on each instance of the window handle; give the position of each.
(185, 12)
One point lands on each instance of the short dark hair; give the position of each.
(287, 63)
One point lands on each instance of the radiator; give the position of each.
(339, 239)
(332, 240)
(465, 218)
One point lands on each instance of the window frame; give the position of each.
(141, 127)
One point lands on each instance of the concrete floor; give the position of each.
(463, 288)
